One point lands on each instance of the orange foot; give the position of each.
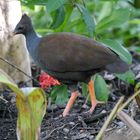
(74, 96)
(94, 102)
(70, 103)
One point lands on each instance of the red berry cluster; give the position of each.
(47, 81)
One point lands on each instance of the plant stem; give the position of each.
(109, 119)
(129, 100)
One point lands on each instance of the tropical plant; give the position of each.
(31, 105)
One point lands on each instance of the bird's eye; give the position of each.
(20, 28)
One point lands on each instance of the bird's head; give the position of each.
(24, 26)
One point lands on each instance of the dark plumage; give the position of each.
(68, 57)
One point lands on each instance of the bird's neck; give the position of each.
(32, 40)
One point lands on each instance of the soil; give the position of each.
(79, 125)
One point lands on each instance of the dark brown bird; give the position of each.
(70, 58)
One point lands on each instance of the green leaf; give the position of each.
(69, 10)
(31, 104)
(137, 87)
(87, 19)
(54, 4)
(117, 18)
(128, 77)
(134, 21)
(5, 79)
(105, 10)
(60, 94)
(119, 49)
(59, 17)
(31, 3)
(30, 113)
(84, 89)
(100, 87)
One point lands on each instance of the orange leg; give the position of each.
(92, 96)
(70, 103)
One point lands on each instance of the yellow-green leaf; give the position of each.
(5, 79)
(30, 113)
(31, 104)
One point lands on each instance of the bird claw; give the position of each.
(91, 109)
(64, 114)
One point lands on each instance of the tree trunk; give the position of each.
(12, 48)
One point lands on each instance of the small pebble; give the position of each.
(65, 137)
(91, 137)
(121, 124)
(72, 123)
(66, 130)
(43, 134)
(81, 131)
(103, 111)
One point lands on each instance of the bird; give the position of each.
(70, 58)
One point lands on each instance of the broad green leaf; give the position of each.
(89, 21)
(128, 77)
(62, 27)
(60, 94)
(54, 4)
(100, 87)
(118, 49)
(105, 10)
(58, 17)
(117, 18)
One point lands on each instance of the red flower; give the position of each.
(47, 81)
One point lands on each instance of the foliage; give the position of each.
(128, 77)
(100, 87)
(119, 49)
(59, 94)
(106, 21)
(31, 105)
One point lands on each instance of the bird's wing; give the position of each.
(63, 52)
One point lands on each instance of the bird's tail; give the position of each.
(118, 66)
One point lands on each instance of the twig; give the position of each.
(129, 100)
(74, 126)
(18, 69)
(3, 99)
(109, 119)
(129, 122)
(45, 138)
(82, 121)
(95, 117)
